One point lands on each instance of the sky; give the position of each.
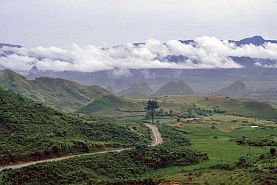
(62, 23)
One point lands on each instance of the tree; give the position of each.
(150, 108)
(272, 151)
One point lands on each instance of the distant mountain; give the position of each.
(54, 92)
(136, 90)
(174, 88)
(33, 73)
(236, 89)
(256, 40)
(7, 52)
(244, 61)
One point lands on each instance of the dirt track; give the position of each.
(156, 137)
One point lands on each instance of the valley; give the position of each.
(139, 92)
(195, 139)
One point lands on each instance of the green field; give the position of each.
(215, 136)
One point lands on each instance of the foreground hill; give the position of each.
(53, 92)
(31, 131)
(236, 89)
(136, 91)
(174, 88)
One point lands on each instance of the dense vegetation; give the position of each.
(100, 169)
(172, 135)
(256, 141)
(30, 131)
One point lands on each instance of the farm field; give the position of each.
(216, 136)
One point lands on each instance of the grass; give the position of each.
(119, 107)
(221, 149)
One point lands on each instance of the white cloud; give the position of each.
(206, 52)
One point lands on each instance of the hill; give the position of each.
(31, 131)
(53, 92)
(139, 90)
(236, 89)
(199, 106)
(114, 106)
(174, 88)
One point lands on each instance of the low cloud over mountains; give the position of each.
(204, 52)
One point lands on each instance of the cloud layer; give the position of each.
(205, 52)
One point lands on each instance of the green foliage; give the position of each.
(30, 131)
(174, 136)
(256, 141)
(106, 168)
(151, 107)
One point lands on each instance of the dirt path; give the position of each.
(23, 164)
(156, 137)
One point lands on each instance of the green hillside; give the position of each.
(242, 107)
(53, 92)
(198, 105)
(111, 105)
(31, 131)
(126, 167)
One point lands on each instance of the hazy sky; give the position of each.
(108, 22)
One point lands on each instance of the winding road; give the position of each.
(156, 140)
(156, 135)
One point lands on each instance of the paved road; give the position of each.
(156, 136)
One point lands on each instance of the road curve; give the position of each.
(156, 135)
(156, 140)
(24, 164)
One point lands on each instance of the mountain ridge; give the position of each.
(236, 89)
(174, 88)
(53, 92)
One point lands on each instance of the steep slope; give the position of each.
(136, 91)
(236, 89)
(14, 81)
(31, 131)
(64, 94)
(54, 92)
(174, 88)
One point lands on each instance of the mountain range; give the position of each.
(53, 92)
(260, 81)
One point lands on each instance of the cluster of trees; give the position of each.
(151, 112)
(256, 141)
(194, 111)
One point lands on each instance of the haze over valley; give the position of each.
(138, 92)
